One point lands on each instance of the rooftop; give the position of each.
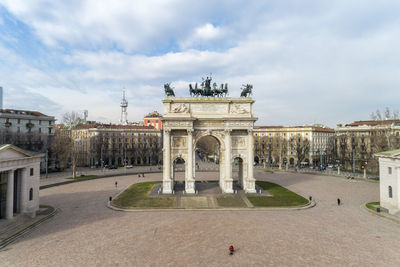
(153, 114)
(315, 128)
(390, 153)
(372, 123)
(23, 112)
(111, 126)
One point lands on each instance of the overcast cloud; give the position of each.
(309, 61)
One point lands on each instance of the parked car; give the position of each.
(321, 168)
(113, 167)
(129, 166)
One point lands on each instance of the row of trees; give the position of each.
(277, 150)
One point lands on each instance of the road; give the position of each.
(86, 232)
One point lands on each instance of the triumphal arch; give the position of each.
(229, 120)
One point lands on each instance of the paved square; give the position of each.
(86, 233)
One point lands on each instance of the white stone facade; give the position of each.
(229, 120)
(25, 121)
(389, 180)
(19, 181)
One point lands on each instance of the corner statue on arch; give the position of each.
(229, 120)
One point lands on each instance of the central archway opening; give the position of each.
(237, 173)
(179, 173)
(207, 160)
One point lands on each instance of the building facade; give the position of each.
(25, 121)
(357, 142)
(104, 144)
(293, 146)
(153, 119)
(19, 181)
(389, 180)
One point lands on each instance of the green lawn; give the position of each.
(230, 201)
(82, 177)
(372, 205)
(136, 196)
(281, 197)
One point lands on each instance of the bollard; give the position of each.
(110, 199)
(378, 209)
(310, 198)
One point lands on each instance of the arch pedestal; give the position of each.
(229, 120)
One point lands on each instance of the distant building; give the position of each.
(105, 144)
(389, 183)
(358, 141)
(29, 130)
(19, 181)
(279, 145)
(1, 98)
(153, 119)
(26, 121)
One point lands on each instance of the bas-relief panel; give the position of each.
(240, 108)
(209, 124)
(212, 108)
(179, 142)
(238, 142)
(177, 123)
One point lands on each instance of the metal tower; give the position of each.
(124, 106)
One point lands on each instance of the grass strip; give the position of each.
(230, 201)
(82, 177)
(137, 196)
(281, 197)
(372, 205)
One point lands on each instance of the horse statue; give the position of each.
(224, 90)
(247, 90)
(168, 90)
(194, 91)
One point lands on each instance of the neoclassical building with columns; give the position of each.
(19, 181)
(229, 121)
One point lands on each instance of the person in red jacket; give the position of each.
(231, 250)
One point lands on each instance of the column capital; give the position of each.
(227, 131)
(190, 131)
(250, 131)
(167, 131)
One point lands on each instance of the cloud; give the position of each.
(309, 62)
(203, 36)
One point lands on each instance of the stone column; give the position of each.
(190, 183)
(249, 184)
(227, 184)
(24, 191)
(167, 182)
(10, 195)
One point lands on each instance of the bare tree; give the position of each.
(69, 118)
(302, 149)
(387, 115)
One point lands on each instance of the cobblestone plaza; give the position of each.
(86, 232)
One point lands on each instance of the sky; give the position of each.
(309, 61)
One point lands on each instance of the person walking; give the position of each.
(116, 184)
(231, 250)
(338, 201)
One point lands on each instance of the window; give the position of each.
(49, 130)
(18, 129)
(390, 170)
(19, 120)
(31, 172)
(40, 122)
(49, 122)
(31, 194)
(40, 130)
(390, 192)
